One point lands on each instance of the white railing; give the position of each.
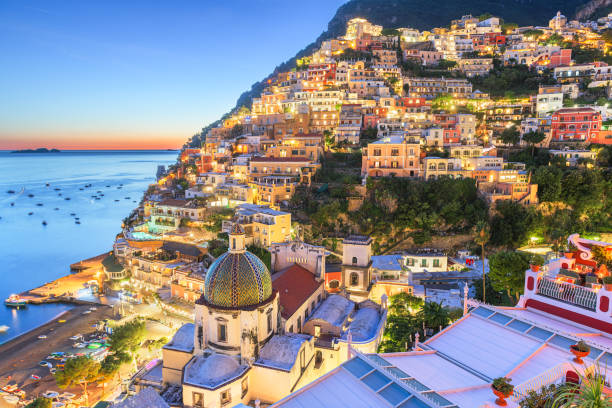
(553, 375)
(568, 293)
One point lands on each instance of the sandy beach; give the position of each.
(19, 357)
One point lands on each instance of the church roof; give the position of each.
(183, 339)
(281, 351)
(212, 371)
(237, 279)
(294, 285)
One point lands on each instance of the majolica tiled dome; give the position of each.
(237, 279)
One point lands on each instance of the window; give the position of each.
(424, 263)
(354, 279)
(269, 320)
(222, 331)
(334, 284)
(226, 397)
(376, 152)
(245, 387)
(394, 152)
(299, 324)
(436, 263)
(354, 260)
(198, 400)
(291, 329)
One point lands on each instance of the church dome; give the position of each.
(238, 278)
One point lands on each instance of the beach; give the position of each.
(19, 357)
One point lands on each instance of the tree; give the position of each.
(404, 303)
(510, 224)
(434, 315)
(128, 337)
(532, 138)
(482, 235)
(40, 402)
(511, 135)
(330, 140)
(507, 272)
(78, 371)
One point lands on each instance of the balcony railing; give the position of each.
(568, 293)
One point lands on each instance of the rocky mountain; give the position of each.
(425, 14)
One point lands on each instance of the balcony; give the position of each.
(569, 293)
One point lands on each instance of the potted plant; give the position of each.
(580, 349)
(535, 262)
(502, 388)
(607, 281)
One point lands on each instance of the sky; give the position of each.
(135, 74)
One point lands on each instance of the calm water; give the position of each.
(32, 254)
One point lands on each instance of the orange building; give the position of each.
(391, 156)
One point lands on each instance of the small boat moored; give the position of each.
(15, 301)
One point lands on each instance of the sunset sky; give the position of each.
(138, 74)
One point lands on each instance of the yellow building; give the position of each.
(263, 225)
(272, 191)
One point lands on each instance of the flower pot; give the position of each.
(535, 268)
(579, 354)
(501, 397)
(568, 255)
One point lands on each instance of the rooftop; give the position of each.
(334, 310)
(280, 159)
(363, 325)
(183, 339)
(148, 397)
(357, 240)
(281, 351)
(212, 371)
(295, 285)
(387, 262)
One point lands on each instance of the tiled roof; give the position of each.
(171, 202)
(294, 285)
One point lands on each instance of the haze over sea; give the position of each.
(31, 253)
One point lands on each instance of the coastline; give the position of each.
(58, 316)
(19, 357)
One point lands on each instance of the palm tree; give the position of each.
(482, 237)
(434, 315)
(589, 393)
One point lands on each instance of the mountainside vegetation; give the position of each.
(420, 14)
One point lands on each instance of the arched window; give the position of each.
(354, 279)
(334, 284)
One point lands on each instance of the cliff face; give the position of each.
(592, 8)
(425, 14)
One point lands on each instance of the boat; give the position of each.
(15, 301)
(4, 328)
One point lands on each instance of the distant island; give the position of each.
(39, 150)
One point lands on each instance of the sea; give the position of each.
(50, 187)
